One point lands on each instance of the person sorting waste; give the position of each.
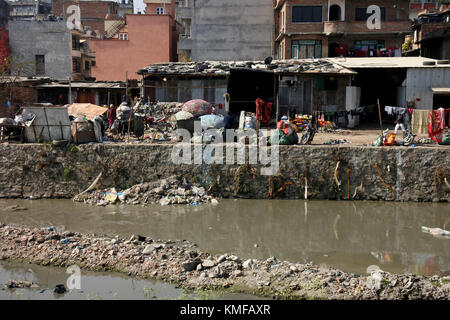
(399, 123)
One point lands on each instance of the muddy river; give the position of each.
(347, 235)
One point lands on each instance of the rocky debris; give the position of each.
(11, 284)
(169, 191)
(224, 67)
(181, 263)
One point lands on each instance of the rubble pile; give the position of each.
(168, 191)
(181, 262)
(224, 67)
(159, 109)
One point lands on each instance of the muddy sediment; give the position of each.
(182, 263)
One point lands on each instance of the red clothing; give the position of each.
(263, 111)
(436, 125)
(112, 116)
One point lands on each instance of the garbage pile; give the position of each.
(158, 109)
(302, 121)
(173, 190)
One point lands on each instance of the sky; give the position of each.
(139, 6)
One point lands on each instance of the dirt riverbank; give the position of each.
(180, 262)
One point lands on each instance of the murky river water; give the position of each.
(347, 235)
(95, 286)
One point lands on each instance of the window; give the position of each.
(307, 14)
(160, 10)
(87, 65)
(40, 64)
(123, 36)
(361, 15)
(280, 51)
(75, 42)
(76, 65)
(368, 48)
(303, 49)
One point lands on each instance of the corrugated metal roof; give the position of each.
(91, 85)
(386, 62)
(441, 90)
(222, 68)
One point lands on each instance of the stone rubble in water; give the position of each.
(180, 262)
(169, 191)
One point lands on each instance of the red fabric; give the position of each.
(112, 116)
(436, 125)
(263, 111)
(282, 125)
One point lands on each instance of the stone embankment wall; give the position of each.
(330, 172)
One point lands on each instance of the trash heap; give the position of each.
(167, 191)
(302, 121)
(159, 109)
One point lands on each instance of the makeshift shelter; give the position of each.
(86, 109)
(49, 123)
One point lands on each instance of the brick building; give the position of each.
(139, 40)
(431, 36)
(329, 28)
(92, 13)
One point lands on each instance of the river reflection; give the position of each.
(343, 234)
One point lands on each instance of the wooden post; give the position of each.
(278, 100)
(379, 115)
(69, 100)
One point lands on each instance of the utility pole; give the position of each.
(70, 91)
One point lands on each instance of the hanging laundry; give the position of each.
(419, 121)
(263, 111)
(436, 125)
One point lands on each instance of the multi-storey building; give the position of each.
(48, 48)
(225, 30)
(330, 28)
(29, 9)
(92, 13)
(136, 41)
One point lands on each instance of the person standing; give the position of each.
(111, 115)
(399, 123)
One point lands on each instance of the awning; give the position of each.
(441, 90)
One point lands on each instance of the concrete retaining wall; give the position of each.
(372, 173)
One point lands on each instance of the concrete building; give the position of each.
(29, 9)
(140, 39)
(4, 13)
(225, 30)
(431, 37)
(329, 28)
(92, 13)
(418, 6)
(125, 7)
(49, 49)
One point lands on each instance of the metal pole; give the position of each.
(70, 91)
(278, 101)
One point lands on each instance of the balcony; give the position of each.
(332, 27)
(184, 9)
(349, 27)
(185, 42)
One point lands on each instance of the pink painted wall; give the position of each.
(149, 41)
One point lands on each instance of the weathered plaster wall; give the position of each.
(49, 38)
(406, 174)
(231, 30)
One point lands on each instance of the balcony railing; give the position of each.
(185, 3)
